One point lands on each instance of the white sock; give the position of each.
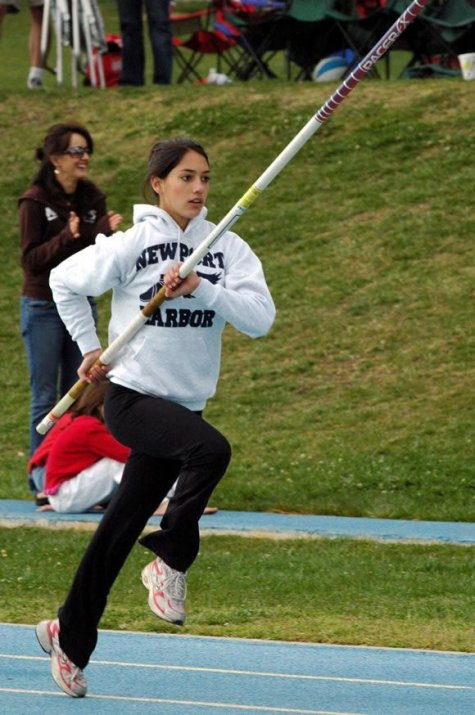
(35, 72)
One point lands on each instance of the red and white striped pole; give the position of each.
(312, 126)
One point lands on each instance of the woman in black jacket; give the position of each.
(61, 212)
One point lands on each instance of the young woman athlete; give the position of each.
(158, 389)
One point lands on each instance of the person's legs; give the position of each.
(159, 30)
(122, 523)
(179, 444)
(35, 75)
(43, 333)
(71, 357)
(70, 360)
(167, 431)
(93, 485)
(36, 480)
(133, 56)
(34, 39)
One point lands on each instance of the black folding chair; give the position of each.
(313, 33)
(256, 21)
(361, 24)
(444, 29)
(448, 29)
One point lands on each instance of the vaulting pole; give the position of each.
(288, 153)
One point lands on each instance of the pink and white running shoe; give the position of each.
(166, 591)
(68, 676)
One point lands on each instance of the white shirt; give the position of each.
(176, 354)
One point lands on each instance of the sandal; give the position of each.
(45, 507)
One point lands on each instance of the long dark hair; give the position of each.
(57, 141)
(165, 155)
(91, 401)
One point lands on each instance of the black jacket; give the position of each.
(45, 237)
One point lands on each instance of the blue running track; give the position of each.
(189, 675)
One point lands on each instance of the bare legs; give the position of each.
(35, 75)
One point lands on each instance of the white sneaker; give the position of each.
(34, 83)
(68, 676)
(166, 591)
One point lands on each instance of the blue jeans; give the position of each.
(53, 358)
(37, 479)
(133, 55)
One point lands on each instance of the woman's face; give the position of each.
(73, 164)
(184, 190)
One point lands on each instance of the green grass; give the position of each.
(359, 402)
(333, 591)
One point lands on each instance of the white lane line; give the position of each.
(263, 674)
(188, 703)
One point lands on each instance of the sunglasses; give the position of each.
(78, 151)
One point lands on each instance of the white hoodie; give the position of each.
(176, 354)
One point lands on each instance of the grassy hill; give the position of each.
(360, 400)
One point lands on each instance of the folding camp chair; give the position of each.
(203, 33)
(361, 24)
(312, 34)
(448, 29)
(257, 21)
(185, 27)
(444, 29)
(77, 24)
(382, 18)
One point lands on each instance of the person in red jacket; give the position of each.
(79, 463)
(83, 462)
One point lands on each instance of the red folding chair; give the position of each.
(184, 27)
(204, 33)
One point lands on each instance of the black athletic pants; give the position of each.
(168, 442)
